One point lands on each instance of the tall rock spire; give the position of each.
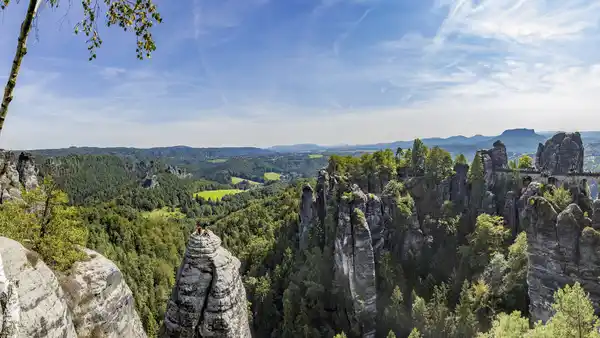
(208, 299)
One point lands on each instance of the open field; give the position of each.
(216, 195)
(164, 213)
(218, 160)
(272, 176)
(315, 156)
(236, 180)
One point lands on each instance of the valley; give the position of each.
(385, 243)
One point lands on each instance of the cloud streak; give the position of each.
(246, 73)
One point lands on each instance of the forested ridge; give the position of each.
(466, 277)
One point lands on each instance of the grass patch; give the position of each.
(236, 180)
(216, 195)
(313, 156)
(164, 213)
(272, 176)
(218, 160)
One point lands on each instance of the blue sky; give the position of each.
(265, 72)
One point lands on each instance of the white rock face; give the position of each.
(43, 309)
(100, 301)
(9, 306)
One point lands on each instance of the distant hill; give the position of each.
(516, 141)
(297, 148)
(175, 152)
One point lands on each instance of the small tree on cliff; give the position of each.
(419, 153)
(525, 162)
(134, 15)
(460, 159)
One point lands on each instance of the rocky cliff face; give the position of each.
(100, 301)
(307, 215)
(92, 301)
(563, 249)
(15, 173)
(42, 305)
(561, 154)
(208, 299)
(9, 305)
(354, 261)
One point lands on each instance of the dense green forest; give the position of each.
(215, 164)
(469, 281)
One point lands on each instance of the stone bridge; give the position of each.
(572, 178)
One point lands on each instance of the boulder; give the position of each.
(101, 302)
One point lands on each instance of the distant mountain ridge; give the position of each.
(521, 140)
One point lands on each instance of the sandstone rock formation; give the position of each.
(510, 212)
(9, 306)
(374, 217)
(16, 173)
(100, 301)
(208, 299)
(562, 249)
(459, 187)
(307, 215)
(43, 309)
(354, 261)
(179, 172)
(561, 154)
(322, 191)
(150, 182)
(493, 159)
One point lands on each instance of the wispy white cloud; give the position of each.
(485, 66)
(212, 15)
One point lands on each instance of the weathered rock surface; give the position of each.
(493, 159)
(510, 212)
(561, 154)
(16, 173)
(9, 306)
(307, 215)
(150, 182)
(374, 217)
(354, 261)
(322, 192)
(101, 302)
(208, 299)
(43, 309)
(179, 172)
(27, 171)
(596, 214)
(459, 187)
(562, 250)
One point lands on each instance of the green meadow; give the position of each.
(315, 156)
(236, 180)
(272, 176)
(217, 195)
(218, 160)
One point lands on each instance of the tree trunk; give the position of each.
(19, 54)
